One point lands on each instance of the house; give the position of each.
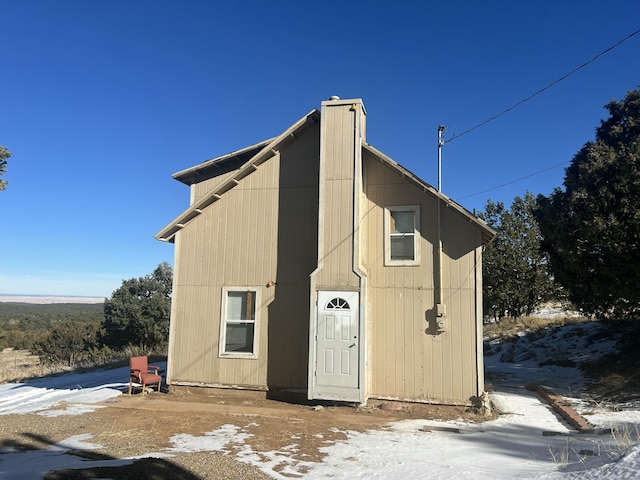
(313, 262)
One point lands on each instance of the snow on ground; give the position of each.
(80, 391)
(527, 441)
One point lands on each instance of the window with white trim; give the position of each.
(402, 234)
(238, 329)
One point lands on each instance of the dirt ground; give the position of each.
(136, 425)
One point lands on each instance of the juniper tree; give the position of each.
(515, 271)
(591, 229)
(137, 313)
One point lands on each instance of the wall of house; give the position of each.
(408, 359)
(262, 230)
(200, 189)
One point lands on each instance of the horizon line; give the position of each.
(48, 295)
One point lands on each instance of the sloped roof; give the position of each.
(487, 232)
(195, 174)
(250, 159)
(247, 161)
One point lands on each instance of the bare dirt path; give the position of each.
(135, 425)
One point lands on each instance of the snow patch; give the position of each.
(528, 440)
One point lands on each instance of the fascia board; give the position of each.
(168, 233)
(187, 173)
(487, 232)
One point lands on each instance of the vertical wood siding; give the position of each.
(265, 229)
(262, 230)
(408, 359)
(338, 183)
(200, 189)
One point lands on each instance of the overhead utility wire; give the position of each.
(545, 88)
(515, 181)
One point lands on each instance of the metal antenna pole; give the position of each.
(440, 144)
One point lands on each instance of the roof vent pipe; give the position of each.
(440, 145)
(334, 97)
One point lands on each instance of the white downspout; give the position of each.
(357, 189)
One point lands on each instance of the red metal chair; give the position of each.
(142, 373)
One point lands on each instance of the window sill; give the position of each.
(402, 263)
(246, 356)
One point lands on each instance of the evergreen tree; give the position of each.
(137, 313)
(67, 341)
(591, 229)
(515, 271)
(4, 155)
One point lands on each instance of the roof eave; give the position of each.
(487, 233)
(271, 148)
(188, 175)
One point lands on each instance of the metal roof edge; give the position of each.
(488, 233)
(270, 149)
(188, 172)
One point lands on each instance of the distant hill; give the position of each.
(48, 299)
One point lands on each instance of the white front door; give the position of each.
(337, 346)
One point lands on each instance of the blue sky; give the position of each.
(101, 101)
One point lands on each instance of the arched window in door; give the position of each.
(337, 303)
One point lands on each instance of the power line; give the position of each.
(515, 181)
(545, 88)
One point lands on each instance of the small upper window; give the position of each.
(402, 225)
(238, 329)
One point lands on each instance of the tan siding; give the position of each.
(390, 189)
(193, 348)
(408, 360)
(202, 188)
(198, 253)
(215, 250)
(297, 231)
(211, 332)
(338, 180)
(338, 239)
(264, 229)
